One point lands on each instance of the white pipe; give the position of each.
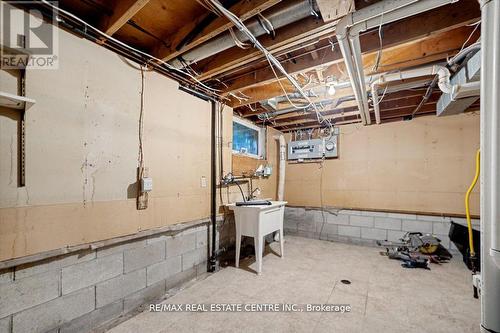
(352, 24)
(281, 180)
(442, 72)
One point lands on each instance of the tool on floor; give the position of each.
(416, 250)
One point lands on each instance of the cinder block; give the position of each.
(143, 256)
(326, 228)
(417, 226)
(432, 218)
(112, 290)
(143, 296)
(6, 275)
(374, 214)
(402, 216)
(313, 215)
(289, 223)
(192, 258)
(363, 242)
(361, 221)
(306, 225)
(158, 238)
(441, 228)
(163, 270)
(91, 272)
(27, 270)
(202, 238)
(295, 213)
(387, 223)
(338, 219)
(28, 292)
(372, 233)
(119, 248)
(394, 235)
(179, 279)
(5, 325)
(88, 322)
(59, 311)
(351, 212)
(180, 244)
(345, 230)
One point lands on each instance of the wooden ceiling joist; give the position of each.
(123, 11)
(443, 19)
(244, 10)
(303, 32)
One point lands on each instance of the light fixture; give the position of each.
(331, 90)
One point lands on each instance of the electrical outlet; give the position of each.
(203, 181)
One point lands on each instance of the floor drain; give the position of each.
(345, 281)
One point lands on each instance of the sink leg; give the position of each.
(238, 247)
(258, 253)
(282, 240)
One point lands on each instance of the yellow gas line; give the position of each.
(467, 208)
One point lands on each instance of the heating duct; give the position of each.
(443, 82)
(289, 12)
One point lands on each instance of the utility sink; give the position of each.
(257, 222)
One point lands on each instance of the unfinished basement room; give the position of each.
(301, 166)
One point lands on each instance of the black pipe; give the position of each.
(213, 188)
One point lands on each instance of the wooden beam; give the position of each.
(244, 10)
(395, 97)
(304, 31)
(123, 11)
(440, 20)
(385, 106)
(416, 53)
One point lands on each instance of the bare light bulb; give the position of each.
(331, 90)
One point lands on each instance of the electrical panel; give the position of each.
(313, 148)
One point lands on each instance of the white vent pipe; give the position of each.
(443, 82)
(281, 180)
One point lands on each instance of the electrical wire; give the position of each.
(106, 36)
(271, 59)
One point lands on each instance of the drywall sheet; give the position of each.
(82, 147)
(423, 165)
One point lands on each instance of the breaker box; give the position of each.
(313, 149)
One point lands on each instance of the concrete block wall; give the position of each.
(365, 227)
(84, 290)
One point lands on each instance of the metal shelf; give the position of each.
(15, 101)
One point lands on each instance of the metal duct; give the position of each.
(279, 17)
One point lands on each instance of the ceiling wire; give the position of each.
(106, 36)
(271, 59)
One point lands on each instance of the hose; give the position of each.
(467, 208)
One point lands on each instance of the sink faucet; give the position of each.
(252, 196)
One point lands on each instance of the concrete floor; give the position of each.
(384, 296)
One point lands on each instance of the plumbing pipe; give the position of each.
(281, 180)
(443, 82)
(213, 188)
(279, 16)
(472, 252)
(490, 165)
(350, 26)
